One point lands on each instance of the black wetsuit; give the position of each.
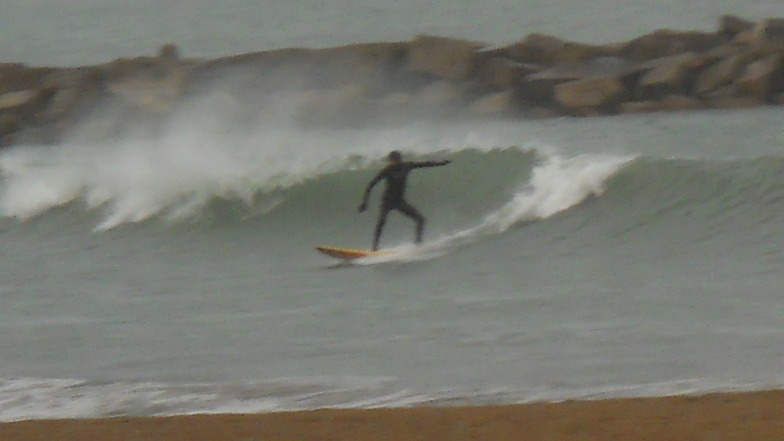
(396, 174)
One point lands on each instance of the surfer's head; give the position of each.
(395, 156)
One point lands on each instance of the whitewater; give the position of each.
(566, 258)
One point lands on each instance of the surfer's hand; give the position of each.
(362, 207)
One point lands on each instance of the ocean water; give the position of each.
(565, 258)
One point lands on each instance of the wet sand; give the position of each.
(757, 416)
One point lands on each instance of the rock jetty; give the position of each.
(741, 64)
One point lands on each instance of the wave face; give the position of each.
(484, 191)
(693, 201)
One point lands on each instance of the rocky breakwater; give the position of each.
(741, 64)
(42, 105)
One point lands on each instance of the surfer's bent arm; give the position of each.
(369, 188)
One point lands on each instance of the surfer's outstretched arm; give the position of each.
(429, 164)
(369, 188)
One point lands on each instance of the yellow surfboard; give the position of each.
(350, 253)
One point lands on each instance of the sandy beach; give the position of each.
(757, 416)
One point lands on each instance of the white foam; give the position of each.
(34, 398)
(556, 185)
(134, 180)
(194, 161)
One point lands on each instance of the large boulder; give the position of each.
(666, 43)
(549, 50)
(594, 93)
(669, 75)
(537, 91)
(599, 67)
(732, 25)
(20, 112)
(76, 92)
(719, 74)
(762, 79)
(16, 77)
(15, 100)
(539, 87)
(765, 36)
(446, 58)
(501, 73)
(25, 104)
(773, 29)
(534, 48)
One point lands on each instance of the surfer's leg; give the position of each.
(412, 212)
(382, 218)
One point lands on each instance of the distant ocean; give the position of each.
(565, 258)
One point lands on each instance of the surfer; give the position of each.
(396, 173)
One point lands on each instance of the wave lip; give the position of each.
(556, 185)
(179, 177)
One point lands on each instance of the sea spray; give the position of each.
(556, 185)
(175, 175)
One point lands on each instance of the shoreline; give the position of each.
(757, 416)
